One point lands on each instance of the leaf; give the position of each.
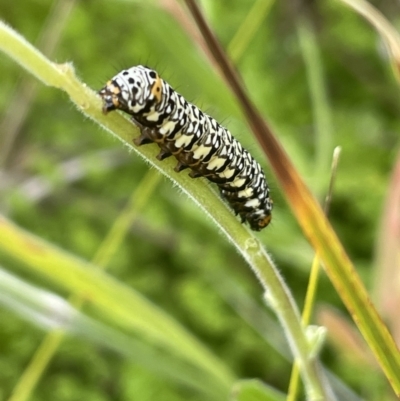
(255, 390)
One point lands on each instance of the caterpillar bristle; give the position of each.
(196, 140)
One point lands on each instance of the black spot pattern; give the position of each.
(196, 140)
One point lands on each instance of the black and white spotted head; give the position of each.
(135, 90)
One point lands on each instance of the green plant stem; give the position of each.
(250, 248)
(387, 31)
(23, 95)
(39, 362)
(138, 200)
(319, 99)
(312, 220)
(44, 354)
(309, 367)
(248, 28)
(48, 310)
(323, 143)
(308, 307)
(113, 300)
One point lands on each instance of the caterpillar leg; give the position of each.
(180, 166)
(150, 135)
(142, 140)
(146, 136)
(195, 174)
(163, 154)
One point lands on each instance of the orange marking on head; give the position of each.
(156, 89)
(115, 89)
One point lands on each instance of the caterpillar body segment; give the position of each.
(194, 138)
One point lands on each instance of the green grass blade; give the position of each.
(112, 299)
(48, 310)
(279, 296)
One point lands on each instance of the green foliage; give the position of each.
(253, 390)
(173, 254)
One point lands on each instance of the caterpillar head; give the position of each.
(261, 221)
(135, 90)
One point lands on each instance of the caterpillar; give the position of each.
(196, 140)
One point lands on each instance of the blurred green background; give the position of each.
(66, 180)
